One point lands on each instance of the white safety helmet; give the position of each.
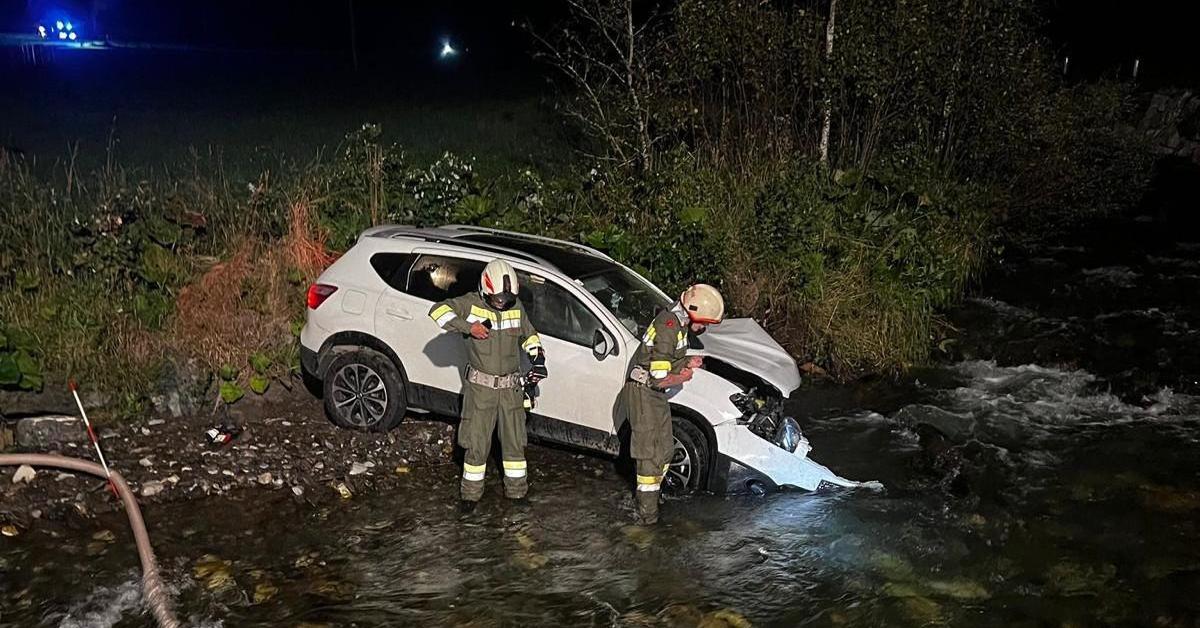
(703, 304)
(498, 285)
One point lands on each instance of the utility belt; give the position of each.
(495, 382)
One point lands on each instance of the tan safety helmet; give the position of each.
(498, 284)
(703, 304)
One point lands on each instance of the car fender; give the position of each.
(354, 339)
(707, 395)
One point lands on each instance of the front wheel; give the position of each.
(364, 391)
(687, 472)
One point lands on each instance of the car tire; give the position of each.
(688, 470)
(364, 390)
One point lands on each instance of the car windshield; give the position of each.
(629, 297)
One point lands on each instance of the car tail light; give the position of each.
(317, 293)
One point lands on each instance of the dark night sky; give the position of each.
(1101, 36)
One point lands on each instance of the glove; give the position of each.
(537, 373)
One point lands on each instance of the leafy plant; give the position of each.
(19, 366)
(231, 392)
(260, 381)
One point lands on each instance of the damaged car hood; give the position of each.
(743, 343)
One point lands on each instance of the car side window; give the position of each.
(556, 312)
(392, 268)
(437, 277)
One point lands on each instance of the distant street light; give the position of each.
(447, 50)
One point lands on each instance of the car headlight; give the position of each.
(787, 435)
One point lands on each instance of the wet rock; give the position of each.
(333, 589)
(9, 529)
(640, 536)
(1169, 499)
(265, 479)
(213, 572)
(892, 566)
(298, 491)
(104, 535)
(181, 388)
(358, 468)
(530, 560)
(25, 473)
(264, 591)
(922, 611)
(930, 420)
(41, 432)
(145, 462)
(723, 618)
(152, 488)
(1069, 578)
(959, 589)
(680, 615)
(343, 490)
(901, 589)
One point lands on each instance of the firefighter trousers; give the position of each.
(485, 409)
(650, 444)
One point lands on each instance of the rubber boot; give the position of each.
(647, 507)
(472, 491)
(516, 488)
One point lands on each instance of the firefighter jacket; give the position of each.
(511, 332)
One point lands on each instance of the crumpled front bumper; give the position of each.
(752, 464)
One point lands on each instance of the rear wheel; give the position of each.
(364, 391)
(687, 472)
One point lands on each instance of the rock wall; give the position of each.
(1172, 124)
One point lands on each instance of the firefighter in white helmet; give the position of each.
(659, 364)
(496, 331)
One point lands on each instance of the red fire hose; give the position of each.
(153, 590)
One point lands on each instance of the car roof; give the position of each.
(573, 260)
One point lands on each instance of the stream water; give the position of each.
(1046, 474)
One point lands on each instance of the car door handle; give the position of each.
(399, 313)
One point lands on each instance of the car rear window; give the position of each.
(392, 268)
(437, 277)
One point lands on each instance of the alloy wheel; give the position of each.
(680, 469)
(359, 395)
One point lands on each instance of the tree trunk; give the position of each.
(631, 79)
(827, 102)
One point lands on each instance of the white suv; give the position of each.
(375, 354)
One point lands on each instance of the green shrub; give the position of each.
(20, 366)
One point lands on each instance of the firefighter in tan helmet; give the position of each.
(660, 364)
(496, 331)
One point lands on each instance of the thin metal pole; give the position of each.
(92, 435)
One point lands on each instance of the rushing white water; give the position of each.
(102, 607)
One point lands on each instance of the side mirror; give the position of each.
(603, 344)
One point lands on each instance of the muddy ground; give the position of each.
(285, 445)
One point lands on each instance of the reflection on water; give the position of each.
(1021, 491)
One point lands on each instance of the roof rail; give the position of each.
(428, 235)
(525, 236)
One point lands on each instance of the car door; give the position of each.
(581, 389)
(431, 356)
